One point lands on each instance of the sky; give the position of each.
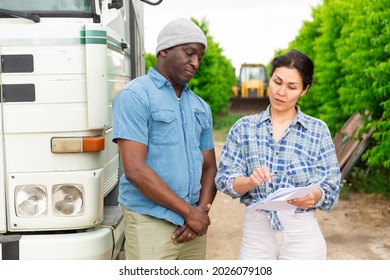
(247, 30)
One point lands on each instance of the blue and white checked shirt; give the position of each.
(305, 154)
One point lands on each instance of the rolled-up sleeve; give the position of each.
(327, 164)
(231, 164)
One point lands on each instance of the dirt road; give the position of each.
(356, 229)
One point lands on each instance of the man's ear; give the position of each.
(163, 52)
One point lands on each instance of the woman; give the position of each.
(281, 148)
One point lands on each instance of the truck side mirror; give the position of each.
(115, 4)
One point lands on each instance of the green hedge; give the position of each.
(349, 42)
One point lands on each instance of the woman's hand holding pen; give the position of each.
(259, 176)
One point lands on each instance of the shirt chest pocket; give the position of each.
(202, 123)
(163, 129)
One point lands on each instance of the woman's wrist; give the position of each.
(243, 184)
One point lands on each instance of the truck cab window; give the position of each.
(47, 5)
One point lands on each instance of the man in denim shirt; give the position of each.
(164, 135)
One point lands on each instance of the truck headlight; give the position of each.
(68, 200)
(30, 201)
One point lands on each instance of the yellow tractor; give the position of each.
(252, 82)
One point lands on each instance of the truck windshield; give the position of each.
(253, 73)
(43, 7)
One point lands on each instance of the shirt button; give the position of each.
(277, 153)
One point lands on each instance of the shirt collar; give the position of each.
(159, 80)
(299, 118)
(265, 116)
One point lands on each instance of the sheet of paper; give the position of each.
(278, 200)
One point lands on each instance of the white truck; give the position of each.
(62, 61)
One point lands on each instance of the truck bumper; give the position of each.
(100, 243)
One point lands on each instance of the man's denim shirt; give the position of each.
(176, 132)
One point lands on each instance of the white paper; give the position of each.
(277, 200)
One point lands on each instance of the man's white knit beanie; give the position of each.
(178, 32)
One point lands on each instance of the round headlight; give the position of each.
(30, 201)
(68, 200)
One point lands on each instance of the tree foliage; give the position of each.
(150, 61)
(214, 80)
(349, 42)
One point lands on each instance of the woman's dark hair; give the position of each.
(298, 60)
